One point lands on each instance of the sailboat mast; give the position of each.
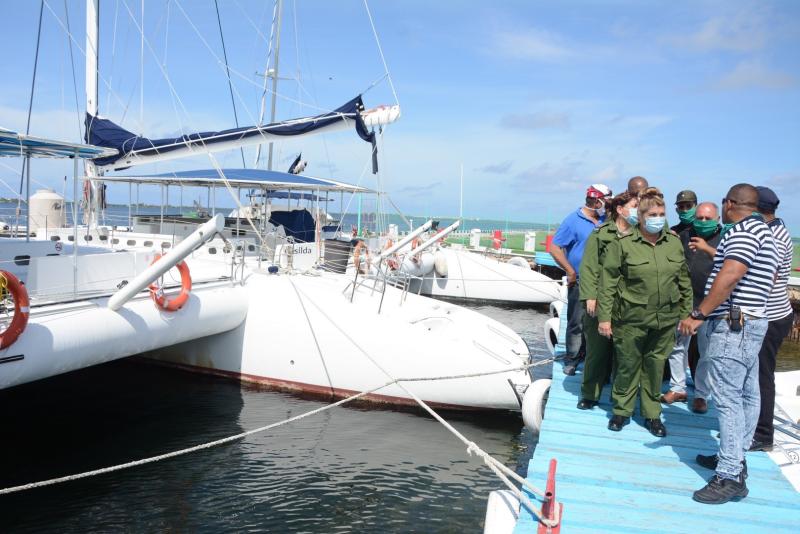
(92, 57)
(278, 24)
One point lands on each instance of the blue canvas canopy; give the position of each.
(247, 178)
(13, 144)
(105, 133)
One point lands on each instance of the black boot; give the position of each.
(656, 427)
(758, 445)
(711, 461)
(721, 490)
(586, 404)
(617, 422)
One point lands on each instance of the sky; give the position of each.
(535, 100)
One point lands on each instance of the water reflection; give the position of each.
(348, 469)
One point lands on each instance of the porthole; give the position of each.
(131, 242)
(22, 260)
(55, 238)
(148, 243)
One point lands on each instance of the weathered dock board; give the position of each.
(631, 481)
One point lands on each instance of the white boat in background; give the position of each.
(786, 449)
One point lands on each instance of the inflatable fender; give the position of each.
(502, 512)
(551, 333)
(533, 404)
(519, 262)
(440, 264)
(426, 263)
(556, 308)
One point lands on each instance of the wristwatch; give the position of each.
(697, 315)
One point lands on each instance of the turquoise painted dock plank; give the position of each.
(631, 481)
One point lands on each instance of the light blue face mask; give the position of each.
(654, 225)
(633, 216)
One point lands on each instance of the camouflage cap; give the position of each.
(686, 196)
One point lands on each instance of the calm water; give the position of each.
(347, 469)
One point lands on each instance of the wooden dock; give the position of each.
(631, 481)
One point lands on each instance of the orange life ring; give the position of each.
(157, 293)
(22, 308)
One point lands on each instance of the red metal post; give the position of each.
(549, 510)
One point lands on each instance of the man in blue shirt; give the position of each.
(567, 250)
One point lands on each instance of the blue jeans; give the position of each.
(734, 373)
(575, 313)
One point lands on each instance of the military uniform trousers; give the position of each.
(599, 356)
(639, 356)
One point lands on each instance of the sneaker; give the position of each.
(758, 445)
(711, 461)
(721, 490)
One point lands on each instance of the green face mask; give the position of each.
(687, 217)
(705, 228)
(726, 227)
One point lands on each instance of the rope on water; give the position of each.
(229, 439)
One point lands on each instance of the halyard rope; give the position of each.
(472, 448)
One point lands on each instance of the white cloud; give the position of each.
(496, 168)
(752, 73)
(535, 121)
(530, 44)
(742, 31)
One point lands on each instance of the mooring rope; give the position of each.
(500, 469)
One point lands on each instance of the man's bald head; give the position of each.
(739, 203)
(637, 184)
(707, 211)
(744, 196)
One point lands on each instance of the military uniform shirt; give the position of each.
(644, 284)
(593, 256)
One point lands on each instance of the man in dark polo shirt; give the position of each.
(686, 207)
(780, 316)
(700, 242)
(734, 322)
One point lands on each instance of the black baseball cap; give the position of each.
(767, 199)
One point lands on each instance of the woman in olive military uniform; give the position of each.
(596, 368)
(644, 292)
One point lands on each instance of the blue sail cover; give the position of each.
(105, 133)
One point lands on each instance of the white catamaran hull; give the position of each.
(303, 333)
(473, 276)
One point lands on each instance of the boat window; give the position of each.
(165, 244)
(87, 238)
(115, 241)
(212, 250)
(22, 260)
(103, 238)
(251, 248)
(71, 238)
(55, 238)
(131, 242)
(148, 243)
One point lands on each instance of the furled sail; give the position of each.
(133, 149)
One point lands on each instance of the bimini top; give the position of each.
(249, 178)
(13, 144)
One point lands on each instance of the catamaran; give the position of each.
(247, 301)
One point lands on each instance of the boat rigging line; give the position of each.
(228, 72)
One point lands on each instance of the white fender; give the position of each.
(533, 404)
(551, 333)
(440, 264)
(423, 267)
(556, 308)
(519, 262)
(502, 512)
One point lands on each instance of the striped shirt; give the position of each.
(778, 305)
(750, 242)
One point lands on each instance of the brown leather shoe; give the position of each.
(699, 405)
(673, 396)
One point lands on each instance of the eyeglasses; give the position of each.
(734, 202)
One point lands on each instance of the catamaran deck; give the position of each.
(631, 481)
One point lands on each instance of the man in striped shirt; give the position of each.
(734, 322)
(780, 316)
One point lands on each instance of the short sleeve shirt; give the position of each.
(572, 236)
(778, 305)
(750, 241)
